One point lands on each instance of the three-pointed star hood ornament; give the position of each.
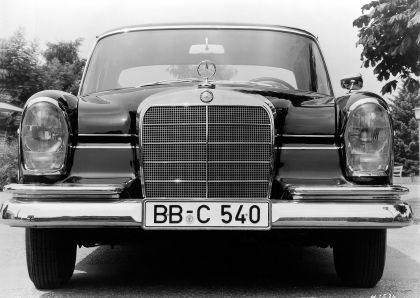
(206, 70)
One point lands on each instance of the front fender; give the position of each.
(346, 101)
(68, 103)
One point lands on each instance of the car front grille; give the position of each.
(206, 151)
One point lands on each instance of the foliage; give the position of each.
(64, 51)
(406, 141)
(23, 72)
(389, 32)
(8, 162)
(63, 69)
(20, 68)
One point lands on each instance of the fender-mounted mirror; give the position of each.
(354, 82)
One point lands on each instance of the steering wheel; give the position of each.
(269, 80)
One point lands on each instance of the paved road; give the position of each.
(413, 198)
(183, 269)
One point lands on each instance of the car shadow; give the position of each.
(208, 269)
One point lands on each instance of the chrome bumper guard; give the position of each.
(100, 206)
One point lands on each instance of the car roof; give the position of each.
(162, 26)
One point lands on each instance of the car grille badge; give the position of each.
(206, 96)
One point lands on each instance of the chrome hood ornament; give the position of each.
(206, 70)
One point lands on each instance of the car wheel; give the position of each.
(359, 257)
(50, 257)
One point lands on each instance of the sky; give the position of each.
(62, 20)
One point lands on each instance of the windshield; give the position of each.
(280, 59)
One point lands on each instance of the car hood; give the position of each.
(298, 113)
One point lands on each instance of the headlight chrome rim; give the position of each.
(61, 114)
(350, 172)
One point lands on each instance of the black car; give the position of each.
(206, 127)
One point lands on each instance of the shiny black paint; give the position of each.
(103, 163)
(303, 119)
(113, 112)
(298, 113)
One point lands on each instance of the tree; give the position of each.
(64, 51)
(406, 141)
(389, 32)
(21, 73)
(63, 68)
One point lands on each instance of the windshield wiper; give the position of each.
(164, 82)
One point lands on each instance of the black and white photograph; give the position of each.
(224, 148)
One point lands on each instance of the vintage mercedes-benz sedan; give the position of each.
(206, 127)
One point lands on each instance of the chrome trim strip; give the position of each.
(302, 191)
(35, 191)
(308, 148)
(363, 101)
(394, 189)
(128, 213)
(141, 110)
(122, 213)
(82, 81)
(305, 136)
(233, 27)
(272, 114)
(105, 135)
(207, 143)
(104, 147)
(288, 214)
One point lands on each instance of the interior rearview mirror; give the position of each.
(354, 82)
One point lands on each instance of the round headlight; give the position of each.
(368, 140)
(44, 137)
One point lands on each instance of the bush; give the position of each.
(8, 162)
(406, 140)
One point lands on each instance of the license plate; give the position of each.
(171, 214)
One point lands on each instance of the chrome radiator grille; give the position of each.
(206, 151)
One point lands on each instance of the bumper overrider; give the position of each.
(78, 205)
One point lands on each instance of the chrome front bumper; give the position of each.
(99, 206)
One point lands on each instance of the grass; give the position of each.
(8, 162)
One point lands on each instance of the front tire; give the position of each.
(359, 257)
(50, 257)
